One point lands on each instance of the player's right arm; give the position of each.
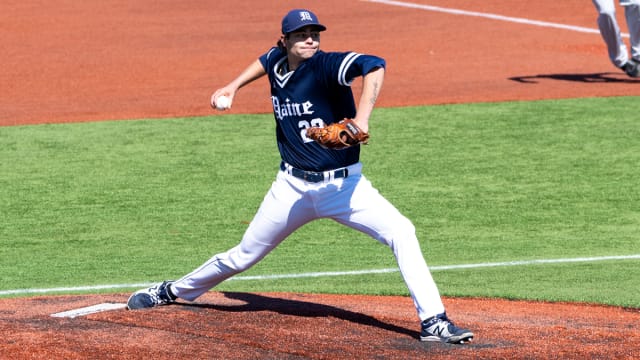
(251, 73)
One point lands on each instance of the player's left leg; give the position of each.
(610, 32)
(360, 206)
(632, 15)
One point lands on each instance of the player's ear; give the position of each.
(281, 43)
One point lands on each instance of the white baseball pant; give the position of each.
(291, 203)
(610, 30)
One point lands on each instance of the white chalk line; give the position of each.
(490, 16)
(90, 310)
(330, 273)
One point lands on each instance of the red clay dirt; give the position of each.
(73, 61)
(306, 326)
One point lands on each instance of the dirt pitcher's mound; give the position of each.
(305, 326)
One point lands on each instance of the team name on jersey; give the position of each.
(288, 108)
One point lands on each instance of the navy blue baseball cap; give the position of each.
(298, 18)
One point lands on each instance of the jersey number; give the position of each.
(304, 125)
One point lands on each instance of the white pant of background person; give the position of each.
(291, 203)
(610, 30)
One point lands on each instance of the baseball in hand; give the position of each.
(223, 103)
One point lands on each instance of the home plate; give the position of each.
(90, 310)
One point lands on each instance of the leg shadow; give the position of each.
(255, 302)
(584, 78)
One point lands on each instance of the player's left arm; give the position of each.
(372, 83)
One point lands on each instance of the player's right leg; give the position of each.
(281, 212)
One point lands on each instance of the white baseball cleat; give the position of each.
(440, 328)
(156, 295)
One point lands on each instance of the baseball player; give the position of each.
(610, 31)
(320, 175)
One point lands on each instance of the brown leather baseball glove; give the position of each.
(339, 135)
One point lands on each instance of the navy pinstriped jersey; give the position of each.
(317, 93)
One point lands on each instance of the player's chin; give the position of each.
(307, 53)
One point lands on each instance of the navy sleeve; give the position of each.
(355, 65)
(269, 57)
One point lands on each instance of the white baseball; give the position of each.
(223, 102)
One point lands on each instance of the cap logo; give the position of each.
(305, 16)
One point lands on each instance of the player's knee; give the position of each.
(626, 3)
(402, 228)
(632, 10)
(236, 260)
(408, 227)
(244, 260)
(607, 12)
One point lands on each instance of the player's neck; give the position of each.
(292, 64)
(293, 61)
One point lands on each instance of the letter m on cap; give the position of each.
(305, 16)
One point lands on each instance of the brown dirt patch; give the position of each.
(86, 61)
(304, 326)
(69, 61)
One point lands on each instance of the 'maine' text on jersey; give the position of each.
(290, 108)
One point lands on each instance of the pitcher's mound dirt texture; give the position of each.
(69, 60)
(304, 326)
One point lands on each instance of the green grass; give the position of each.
(136, 201)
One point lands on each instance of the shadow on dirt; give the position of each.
(583, 78)
(255, 302)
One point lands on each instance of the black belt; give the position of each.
(312, 176)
